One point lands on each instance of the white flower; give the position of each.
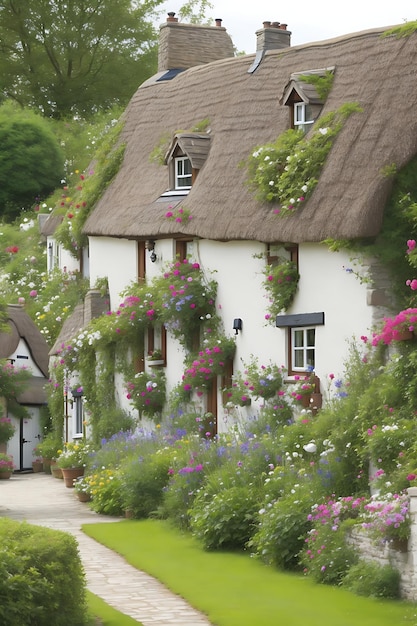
(310, 447)
(304, 188)
(323, 131)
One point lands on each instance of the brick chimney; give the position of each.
(273, 36)
(185, 45)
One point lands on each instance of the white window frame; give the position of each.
(77, 417)
(180, 176)
(307, 349)
(301, 115)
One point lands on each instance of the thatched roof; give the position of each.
(22, 327)
(93, 306)
(376, 72)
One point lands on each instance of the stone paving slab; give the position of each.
(44, 500)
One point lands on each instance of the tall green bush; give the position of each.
(41, 577)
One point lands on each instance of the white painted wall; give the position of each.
(116, 259)
(325, 286)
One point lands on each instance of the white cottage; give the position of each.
(24, 346)
(182, 191)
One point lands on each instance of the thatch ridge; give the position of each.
(373, 71)
(22, 326)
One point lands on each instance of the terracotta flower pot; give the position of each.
(5, 475)
(56, 471)
(46, 465)
(83, 497)
(37, 466)
(404, 335)
(70, 474)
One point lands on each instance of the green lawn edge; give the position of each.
(233, 589)
(108, 616)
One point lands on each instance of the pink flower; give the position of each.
(33, 293)
(411, 477)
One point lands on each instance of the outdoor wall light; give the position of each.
(237, 325)
(150, 246)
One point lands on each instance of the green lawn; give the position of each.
(107, 614)
(235, 590)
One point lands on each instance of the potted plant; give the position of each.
(155, 358)
(398, 328)
(72, 460)
(6, 432)
(6, 466)
(37, 464)
(82, 488)
(48, 450)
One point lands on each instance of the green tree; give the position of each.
(31, 160)
(74, 57)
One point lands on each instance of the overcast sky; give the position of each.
(307, 20)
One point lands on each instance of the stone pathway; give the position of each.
(43, 500)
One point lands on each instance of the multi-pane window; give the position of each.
(78, 416)
(303, 116)
(183, 173)
(303, 346)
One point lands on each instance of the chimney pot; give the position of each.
(283, 26)
(171, 17)
(267, 24)
(218, 21)
(275, 24)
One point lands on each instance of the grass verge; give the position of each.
(234, 590)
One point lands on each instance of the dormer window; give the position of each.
(305, 94)
(303, 116)
(185, 158)
(183, 172)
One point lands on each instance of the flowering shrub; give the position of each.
(393, 327)
(178, 215)
(281, 282)
(104, 486)
(185, 299)
(326, 555)
(304, 386)
(6, 463)
(282, 526)
(387, 517)
(6, 429)
(288, 170)
(13, 381)
(211, 361)
(74, 454)
(258, 381)
(226, 520)
(146, 391)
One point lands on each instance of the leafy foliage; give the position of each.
(31, 160)
(71, 58)
(281, 283)
(35, 567)
(287, 171)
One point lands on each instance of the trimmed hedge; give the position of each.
(42, 581)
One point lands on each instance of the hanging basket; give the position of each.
(404, 335)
